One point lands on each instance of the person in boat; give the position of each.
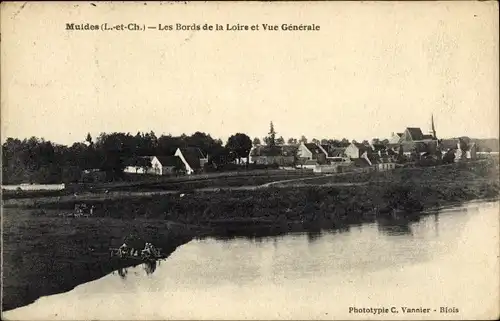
(135, 243)
(147, 250)
(124, 249)
(150, 250)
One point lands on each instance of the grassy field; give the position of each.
(45, 254)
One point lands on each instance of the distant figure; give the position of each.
(123, 249)
(182, 195)
(106, 192)
(92, 210)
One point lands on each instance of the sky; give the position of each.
(371, 69)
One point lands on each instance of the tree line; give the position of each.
(38, 160)
(41, 161)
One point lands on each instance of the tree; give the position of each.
(375, 141)
(88, 139)
(385, 142)
(114, 149)
(294, 152)
(201, 140)
(365, 142)
(292, 141)
(271, 138)
(168, 144)
(449, 157)
(280, 141)
(336, 143)
(315, 141)
(256, 141)
(219, 157)
(345, 142)
(303, 139)
(240, 144)
(324, 141)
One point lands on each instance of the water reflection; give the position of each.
(123, 273)
(313, 236)
(394, 227)
(150, 267)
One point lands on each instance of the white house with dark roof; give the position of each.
(311, 151)
(154, 165)
(356, 150)
(395, 138)
(193, 158)
(167, 165)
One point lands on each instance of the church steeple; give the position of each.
(433, 128)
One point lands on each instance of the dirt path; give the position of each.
(295, 180)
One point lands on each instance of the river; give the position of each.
(445, 259)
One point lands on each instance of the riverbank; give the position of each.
(329, 199)
(46, 254)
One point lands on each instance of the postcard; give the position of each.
(250, 160)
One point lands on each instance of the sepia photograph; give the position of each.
(260, 160)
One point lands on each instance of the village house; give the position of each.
(193, 158)
(277, 155)
(167, 165)
(395, 138)
(138, 165)
(415, 134)
(414, 144)
(310, 151)
(334, 154)
(362, 164)
(385, 166)
(380, 150)
(154, 165)
(356, 150)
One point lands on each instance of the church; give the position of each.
(414, 134)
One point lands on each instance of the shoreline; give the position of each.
(36, 270)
